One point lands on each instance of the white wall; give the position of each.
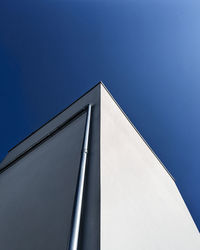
(141, 207)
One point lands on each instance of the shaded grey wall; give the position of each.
(38, 182)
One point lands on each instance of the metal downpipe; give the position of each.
(74, 237)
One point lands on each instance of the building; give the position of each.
(87, 180)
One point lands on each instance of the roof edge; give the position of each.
(100, 82)
(103, 85)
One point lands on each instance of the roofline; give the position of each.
(137, 131)
(100, 82)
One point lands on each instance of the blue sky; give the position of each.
(147, 53)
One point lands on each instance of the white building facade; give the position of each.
(128, 199)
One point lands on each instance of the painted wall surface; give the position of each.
(37, 193)
(37, 185)
(141, 207)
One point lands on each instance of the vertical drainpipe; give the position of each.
(74, 237)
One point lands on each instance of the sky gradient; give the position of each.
(147, 53)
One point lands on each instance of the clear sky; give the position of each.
(147, 53)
